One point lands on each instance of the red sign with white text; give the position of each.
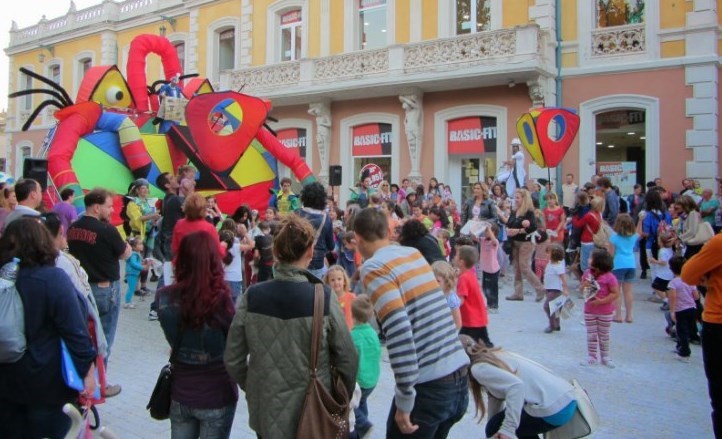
(371, 140)
(471, 135)
(374, 173)
(294, 138)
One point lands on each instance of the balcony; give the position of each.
(480, 59)
(102, 14)
(618, 40)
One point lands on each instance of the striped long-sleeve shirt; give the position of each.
(420, 333)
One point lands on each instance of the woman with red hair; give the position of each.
(195, 313)
(194, 209)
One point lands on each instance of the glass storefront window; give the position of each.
(472, 16)
(619, 12)
(372, 24)
(291, 30)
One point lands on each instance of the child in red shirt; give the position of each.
(474, 318)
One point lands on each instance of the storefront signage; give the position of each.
(364, 4)
(621, 174)
(372, 140)
(291, 17)
(374, 173)
(616, 119)
(294, 138)
(471, 135)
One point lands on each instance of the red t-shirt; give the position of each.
(473, 310)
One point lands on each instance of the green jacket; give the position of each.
(369, 350)
(269, 345)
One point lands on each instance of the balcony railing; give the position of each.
(105, 12)
(483, 48)
(618, 40)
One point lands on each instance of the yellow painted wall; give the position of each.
(672, 49)
(516, 13)
(569, 20)
(672, 13)
(337, 27)
(403, 23)
(429, 20)
(569, 60)
(314, 26)
(222, 9)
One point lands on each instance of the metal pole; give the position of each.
(558, 51)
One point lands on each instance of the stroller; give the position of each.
(81, 427)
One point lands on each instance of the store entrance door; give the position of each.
(463, 173)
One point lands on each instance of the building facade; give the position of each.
(425, 88)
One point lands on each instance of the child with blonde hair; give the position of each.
(446, 277)
(338, 280)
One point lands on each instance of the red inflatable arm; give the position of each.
(140, 47)
(286, 156)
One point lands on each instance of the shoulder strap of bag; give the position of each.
(319, 230)
(316, 327)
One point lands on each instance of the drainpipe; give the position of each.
(558, 80)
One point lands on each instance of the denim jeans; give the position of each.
(529, 426)
(236, 289)
(362, 412)
(190, 423)
(438, 406)
(108, 301)
(587, 249)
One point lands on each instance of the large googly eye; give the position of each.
(114, 95)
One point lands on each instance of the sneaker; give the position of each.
(540, 297)
(683, 359)
(152, 316)
(515, 298)
(588, 362)
(154, 277)
(129, 306)
(664, 307)
(654, 299)
(493, 310)
(609, 363)
(548, 330)
(112, 390)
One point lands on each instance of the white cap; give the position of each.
(515, 141)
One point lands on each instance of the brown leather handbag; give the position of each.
(324, 414)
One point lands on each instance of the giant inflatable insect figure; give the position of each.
(110, 135)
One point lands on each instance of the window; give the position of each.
(227, 49)
(291, 31)
(23, 150)
(27, 84)
(54, 73)
(372, 24)
(85, 65)
(180, 50)
(472, 16)
(619, 12)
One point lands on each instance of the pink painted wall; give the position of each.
(668, 86)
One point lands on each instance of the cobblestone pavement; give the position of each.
(649, 395)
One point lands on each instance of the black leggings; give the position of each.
(529, 426)
(477, 334)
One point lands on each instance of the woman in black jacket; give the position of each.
(479, 206)
(520, 225)
(32, 392)
(415, 234)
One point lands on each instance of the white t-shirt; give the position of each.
(552, 275)
(663, 271)
(234, 271)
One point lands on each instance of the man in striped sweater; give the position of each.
(429, 363)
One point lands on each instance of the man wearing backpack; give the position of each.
(99, 248)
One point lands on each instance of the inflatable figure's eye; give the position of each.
(113, 95)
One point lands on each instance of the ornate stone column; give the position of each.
(322, 112)
(412, 104)
(536, 92)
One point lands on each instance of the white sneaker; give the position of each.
(588, 362)
(609, 363)
(682, 359)
(152, 316)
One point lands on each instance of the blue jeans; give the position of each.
(586, 253)
(438, 406)
(190, 423)
(319, 273)
(362, 412)
(108, 301)
(236, 289)
(529, 426)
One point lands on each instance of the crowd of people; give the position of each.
(408, 267)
